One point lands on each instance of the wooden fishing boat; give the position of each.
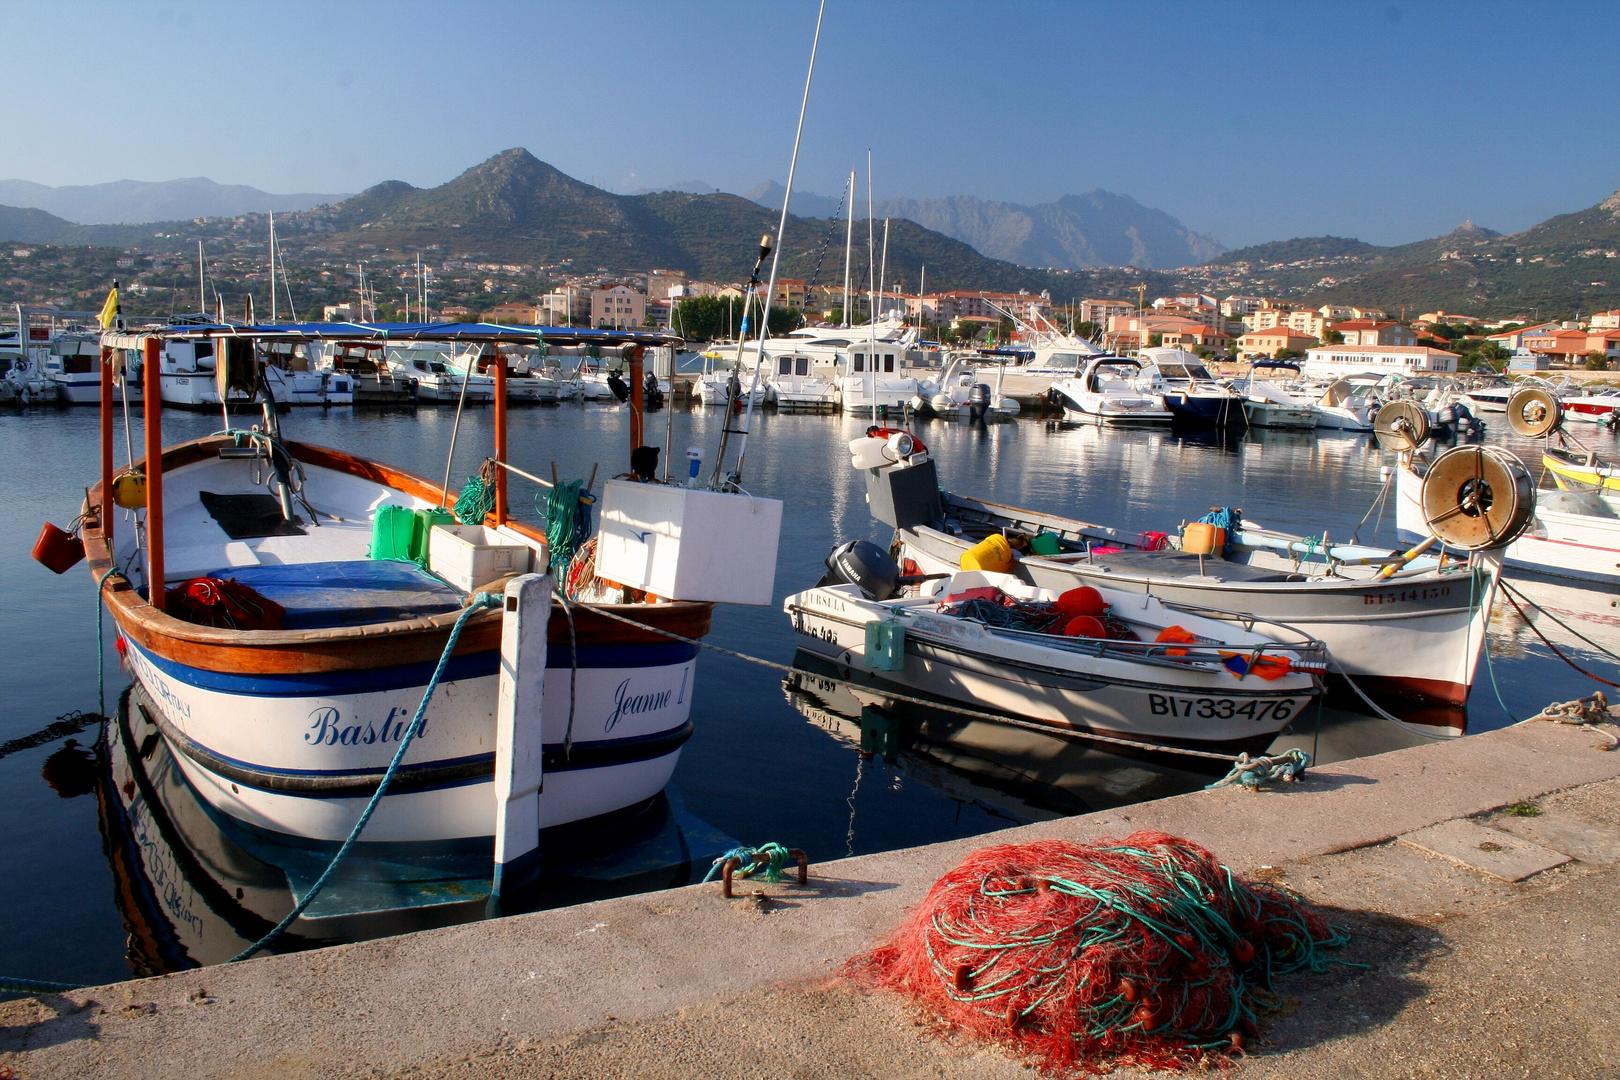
(1202, 693)
(290, 730)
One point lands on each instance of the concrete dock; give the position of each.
(1490, 939)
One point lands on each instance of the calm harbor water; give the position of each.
(768, 761)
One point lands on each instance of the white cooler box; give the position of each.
(470, 555)
(685, 544)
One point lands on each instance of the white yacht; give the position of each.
(73, 365)
(1051, 359)
(1108, 392)
(1268, 404)
(872, 377)
(429, 369)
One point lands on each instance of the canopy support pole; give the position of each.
(500, 434)
(637, 397)
(106, 512)
(153, 431)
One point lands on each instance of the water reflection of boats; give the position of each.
(195, 887)
(1034, 775)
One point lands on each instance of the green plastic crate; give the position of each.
(885, 645)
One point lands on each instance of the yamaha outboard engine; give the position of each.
(978, 402)
(864, 565)
(652, 397)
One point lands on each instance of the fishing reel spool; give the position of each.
(1477, 497)
(1401, 426)
(1534, 412)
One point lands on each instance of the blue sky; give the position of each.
(1251, 120)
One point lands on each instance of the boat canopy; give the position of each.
(1288, 365)
(470, 333)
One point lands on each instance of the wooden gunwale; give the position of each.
(349, 648)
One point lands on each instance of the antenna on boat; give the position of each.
(735, 476)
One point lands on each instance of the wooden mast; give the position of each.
(500, 434)
(106, 511)
(153, 425)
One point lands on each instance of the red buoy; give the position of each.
(58, 550)
(1081, 601)
(1085, 626)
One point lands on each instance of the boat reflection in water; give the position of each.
(196, 888)
(1027, 775)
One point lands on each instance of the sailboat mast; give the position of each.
(272, 266)
(883, 274)
(871, 269)
(849, 243)
(202, 294)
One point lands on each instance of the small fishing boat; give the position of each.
(1407, 627)
(1268, 405)
(74, 365)
(872, 377)
(1579, 470)
(1109, 391)
(284, 704)
(1189, 391)
(804, 382)
(1155, 673)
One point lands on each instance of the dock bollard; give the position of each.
(758, 859)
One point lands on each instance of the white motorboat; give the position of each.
(428, 368)
(1268, 405)
(524, 386)
(1189, 391)
(804, 382)
(357, 373)
(959, 386)
(1595, 406)
(74, 365)
(872, 377)
(1108, 391)
(1349, 404)
(1128, 684)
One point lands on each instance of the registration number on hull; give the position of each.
(1206, 708)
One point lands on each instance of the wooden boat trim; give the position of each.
(349, 648)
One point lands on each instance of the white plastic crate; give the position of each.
(471, 555)
(684, 544)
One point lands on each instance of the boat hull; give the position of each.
(1166, 707)
(1416, 639)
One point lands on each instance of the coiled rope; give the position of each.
(478, 603)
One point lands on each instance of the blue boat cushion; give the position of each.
(324, 594)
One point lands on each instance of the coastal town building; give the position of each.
(566, 305)
(617, 308)
(790, 292)
(1236, 307)
(1513, 340)
(1335, 360)
(1606, 320)
(1373, 332)
(660, 282)
(1274, 340)
(1563, 344)
(1100, 312)
(513, 314)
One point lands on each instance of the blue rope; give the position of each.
(479, 602)
(36, 986)
(775, 853)
(1229, 519)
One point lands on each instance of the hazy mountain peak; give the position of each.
(1076, 232)
(1611, 204)
(123, 202)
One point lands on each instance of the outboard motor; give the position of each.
(864, 565)
(620, 388)
(651, 396)
(978, 402)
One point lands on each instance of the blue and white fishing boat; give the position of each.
(284, 702)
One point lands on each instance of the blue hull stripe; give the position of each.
(377, 680)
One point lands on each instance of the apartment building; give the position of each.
(618, 307)
(1373, 332)
(566, 305)
(513, 314)
(1101, 312)
(1271, 341)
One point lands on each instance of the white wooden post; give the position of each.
(518, 744)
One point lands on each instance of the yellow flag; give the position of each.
(110, 310)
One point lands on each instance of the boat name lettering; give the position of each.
(157, 686)
(1204, 708)
(326, 728)
(820, 633)
(626, 703)
(1428, 592)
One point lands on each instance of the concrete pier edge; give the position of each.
(388, 1005)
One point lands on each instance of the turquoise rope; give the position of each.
(479, 602)
(37, 986)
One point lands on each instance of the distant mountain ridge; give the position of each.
(134, 202)
(1077, 232)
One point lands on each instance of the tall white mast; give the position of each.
(849, 243)
(922, 291)
(202, 294)
(272, 266)
(883, 274)
(871, 273)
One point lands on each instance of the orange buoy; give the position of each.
(1081, 601)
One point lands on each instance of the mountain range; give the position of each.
(1077, 232)
(132, 202)
(514, 208)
